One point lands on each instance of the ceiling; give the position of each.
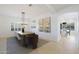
(31, 11)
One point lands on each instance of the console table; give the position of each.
(27, 38)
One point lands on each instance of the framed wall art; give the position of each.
(45, 24)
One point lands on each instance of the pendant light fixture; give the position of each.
(23, 18)
(23, 21)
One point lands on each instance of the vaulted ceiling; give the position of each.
(34, 10)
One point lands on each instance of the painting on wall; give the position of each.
(16, 27)
(45, 24)
(33, 24)
(12, 27)
(41, 25)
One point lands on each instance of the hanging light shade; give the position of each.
(23, 19)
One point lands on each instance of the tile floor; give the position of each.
(66, 45)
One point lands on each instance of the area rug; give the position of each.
(13, 47)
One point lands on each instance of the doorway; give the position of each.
(67, 29)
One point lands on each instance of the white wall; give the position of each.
(36, 12)
(70, 14)
(5, 25)
(5, 21)
(53, 35)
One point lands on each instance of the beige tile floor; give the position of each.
(67, 44)
(3, 45)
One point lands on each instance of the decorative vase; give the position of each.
(23, 30)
